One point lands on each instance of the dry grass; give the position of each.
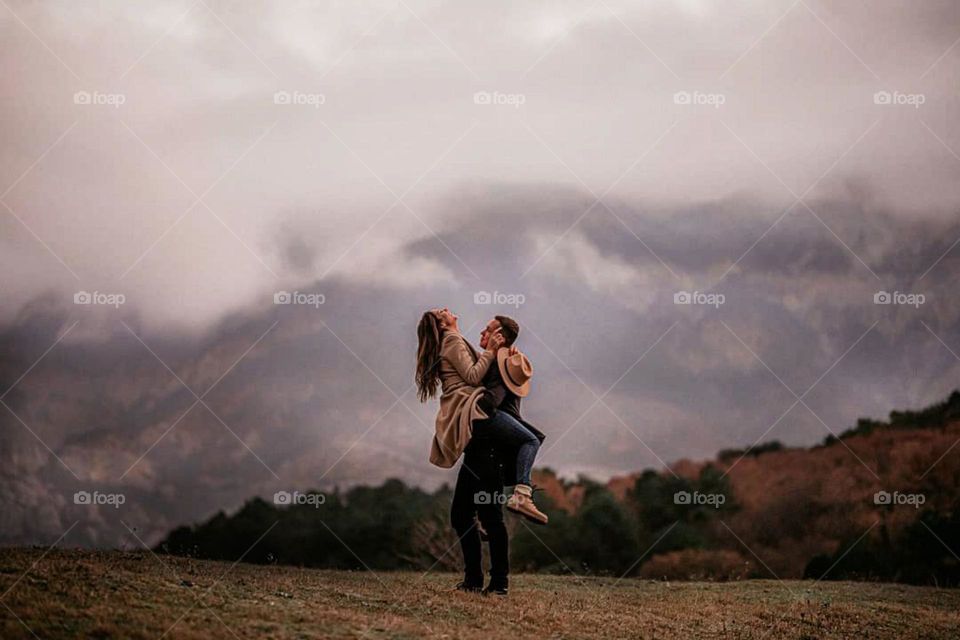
(70, 594)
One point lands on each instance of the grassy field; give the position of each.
(68, 594)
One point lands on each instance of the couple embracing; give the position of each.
(479, 418)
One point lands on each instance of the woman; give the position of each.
(445, 360)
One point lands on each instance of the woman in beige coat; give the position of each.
(445, 360)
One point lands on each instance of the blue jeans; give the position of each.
(504, 430)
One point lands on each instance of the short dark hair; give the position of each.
(509, 329)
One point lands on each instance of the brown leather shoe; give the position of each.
(521, 503)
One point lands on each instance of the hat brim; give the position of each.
(518, 390)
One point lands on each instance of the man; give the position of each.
(478, 495)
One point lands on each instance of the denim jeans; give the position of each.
(504, 430)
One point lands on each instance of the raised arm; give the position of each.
(456, 352)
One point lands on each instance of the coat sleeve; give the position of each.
(457, 354)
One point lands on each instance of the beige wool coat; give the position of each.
(461, 373)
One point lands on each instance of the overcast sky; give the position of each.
(791, 159)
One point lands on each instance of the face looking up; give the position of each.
(492, 327)
(448, 319)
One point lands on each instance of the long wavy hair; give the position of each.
(429, 335)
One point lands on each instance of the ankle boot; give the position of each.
(521, 503)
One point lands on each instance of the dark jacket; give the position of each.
(508, 402)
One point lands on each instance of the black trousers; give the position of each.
(479, 494)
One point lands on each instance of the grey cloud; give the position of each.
(498, 187)
(300, 399)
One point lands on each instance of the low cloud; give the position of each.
(310, 393)
(597, 198)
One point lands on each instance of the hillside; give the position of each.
(795, 504)
(770, 512)
(68, 594)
